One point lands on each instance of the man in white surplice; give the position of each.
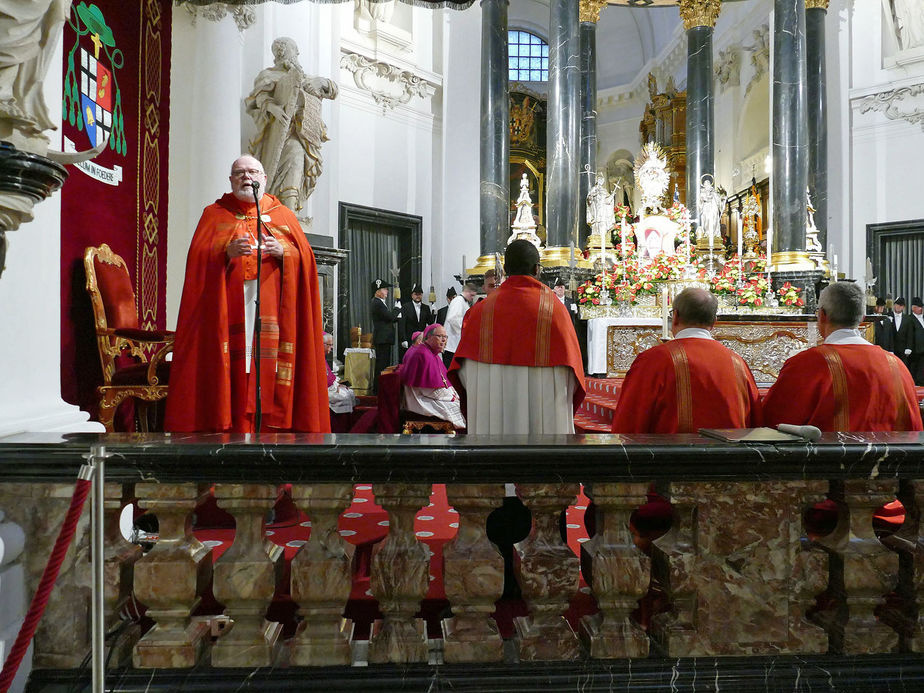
(518, 359)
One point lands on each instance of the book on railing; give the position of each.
(749, 435)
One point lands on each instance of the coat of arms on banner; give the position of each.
(92, 100)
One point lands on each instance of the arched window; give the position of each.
(529, 57)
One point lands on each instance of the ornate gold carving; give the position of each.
(792, 260)
(522, 121)
(816, 4)
(590, 10)
(764, 346)
(696, 13)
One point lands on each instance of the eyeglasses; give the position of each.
(252, 172)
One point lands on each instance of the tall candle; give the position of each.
(463, 269)
(625, 236)
(664, 330)
(740, 239)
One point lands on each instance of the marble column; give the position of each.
(589, 14)
(563, 132)
(815, 13)
(790, 137)
(699, 17)
(495, 133)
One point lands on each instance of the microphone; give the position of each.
(810, 433)
(255, 184)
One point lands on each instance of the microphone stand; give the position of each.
(258, 322)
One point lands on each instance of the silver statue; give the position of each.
(601, 212)
(711, 202)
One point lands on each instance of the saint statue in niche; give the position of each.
(286, 106)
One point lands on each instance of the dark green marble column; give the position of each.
(816, 11)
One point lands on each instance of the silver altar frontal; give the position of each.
(764, 342)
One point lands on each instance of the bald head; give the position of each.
(244, 171)
(694, 308)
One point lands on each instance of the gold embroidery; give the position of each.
(284, 373)
(839, 387)
(741, 378)
(684, 393)
(544, 325)
(286, 348)
(902, 422)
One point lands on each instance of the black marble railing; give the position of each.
(747, 588)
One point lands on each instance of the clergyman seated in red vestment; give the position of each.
(690, 382)
(846, 384)
(213, 375)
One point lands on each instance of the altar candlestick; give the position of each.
(664, 331)
(835, 267)
(740, 239)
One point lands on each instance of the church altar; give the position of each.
(763, 342)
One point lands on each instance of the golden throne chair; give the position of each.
(128, 372)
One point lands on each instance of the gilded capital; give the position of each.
(590, 10)
(816, 5)
(696, 13)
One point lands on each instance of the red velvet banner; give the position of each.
(116, 89)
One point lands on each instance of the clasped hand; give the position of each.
(241, 246)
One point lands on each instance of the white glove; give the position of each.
(404, 345)
(397, 303)
(907, 352)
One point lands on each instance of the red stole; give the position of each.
(522, 323)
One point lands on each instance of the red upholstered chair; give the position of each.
(127, 370)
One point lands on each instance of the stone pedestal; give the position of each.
(245, 580)
(321, 578)
(621, 574)
(807, 280)
(400, 577)
(473, 575)
(548, 576)
(169, 580)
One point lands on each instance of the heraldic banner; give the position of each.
(116, 91)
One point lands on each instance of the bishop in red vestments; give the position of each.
(690, 382)
(846, 384)
(213, 375)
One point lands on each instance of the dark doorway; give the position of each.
(379, 242)
(896, 251)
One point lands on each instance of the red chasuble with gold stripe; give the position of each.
(522, 323)
(210, 389)
(684, 385)
(844, 387)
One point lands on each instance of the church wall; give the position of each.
(886, 149)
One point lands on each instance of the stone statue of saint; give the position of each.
(26, 47)
(909, 23)
(601, 213)
(710, 210)
(286, 106)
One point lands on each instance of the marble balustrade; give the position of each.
(739, 574)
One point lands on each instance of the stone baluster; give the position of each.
(120, 557)
(473, 573)
(810, 571)
(245, 579)
(916, 496)
(870, 569)
(621, 574)
(322, 578)
(170, 578)
(400, 577)
(735, 571)
(548, 576)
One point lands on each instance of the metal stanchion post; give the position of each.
(97, 544)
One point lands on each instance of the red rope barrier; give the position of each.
(46, 584)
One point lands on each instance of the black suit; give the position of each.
(883, 331)
(383, 333)
(903, 337)
(410, 323)
(441, 314)
(916, 360)
(580, 326)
